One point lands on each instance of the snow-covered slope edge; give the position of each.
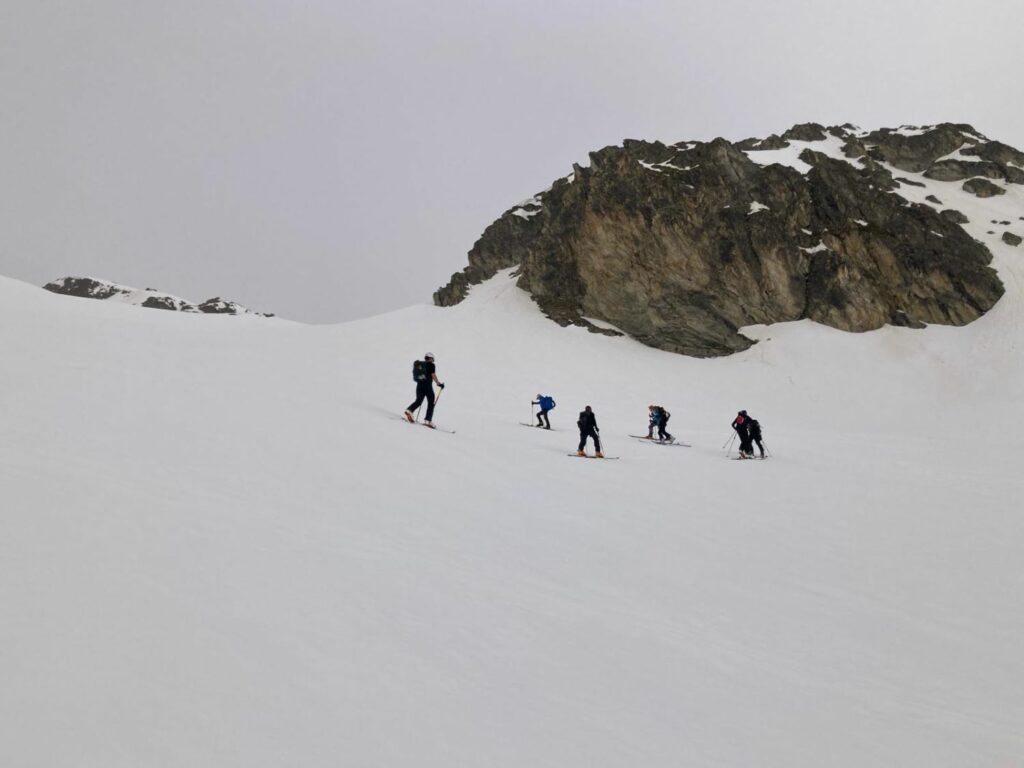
(221, 546)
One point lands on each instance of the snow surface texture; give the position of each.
(220, 546)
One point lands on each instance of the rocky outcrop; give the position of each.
(680, 246)
(150, 298)
(1011, 239)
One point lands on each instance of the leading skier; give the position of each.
(425, 376)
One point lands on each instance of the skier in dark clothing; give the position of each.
(587, 423)
(742, 426)
(658, 417)
(755, 435)
(424, 375)
(546, 403)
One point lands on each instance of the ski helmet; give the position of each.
(743, 413)
(428, 356)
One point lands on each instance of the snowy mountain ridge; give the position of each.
(150, 298)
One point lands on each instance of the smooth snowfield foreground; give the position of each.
(220, 546)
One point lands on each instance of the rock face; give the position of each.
(681, 245)
(91, 288)
(1011, 239)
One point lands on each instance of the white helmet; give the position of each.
(428, 356)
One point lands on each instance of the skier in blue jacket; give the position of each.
(546, 403)
(658, 417)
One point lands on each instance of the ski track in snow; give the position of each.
(221, 548)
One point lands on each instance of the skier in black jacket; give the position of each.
(423, 373)
(587, 423)
(755, 435)
(742, 426)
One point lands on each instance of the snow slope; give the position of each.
(219, 546)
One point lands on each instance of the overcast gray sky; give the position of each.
(328, 160)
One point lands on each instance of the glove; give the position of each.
(441, 386)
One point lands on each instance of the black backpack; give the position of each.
(419, 371)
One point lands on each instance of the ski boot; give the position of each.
(581, 453)
(408, 417)
(599, 455)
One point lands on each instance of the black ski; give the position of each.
(608, 458)
(546, 429)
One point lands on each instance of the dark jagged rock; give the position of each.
(806, 132)
(84, 287)
(933, 199)
(953, 215)
(680, 246)
(996, 152)
(983, 188)
(1011, 239)
(167, 302)
(854, 148)
(916, 153)
(772, 142)
(957, 170)
(219, 306)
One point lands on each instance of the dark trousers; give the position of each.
(662, 432)
(746, 444)
(585, 435)
(424, 391)
(759, 446)
(542, 419)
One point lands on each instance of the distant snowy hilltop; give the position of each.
(680, 246)
(91, 288)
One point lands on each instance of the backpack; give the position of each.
(419, 371)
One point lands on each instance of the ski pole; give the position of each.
(729, 449)
(729, 441)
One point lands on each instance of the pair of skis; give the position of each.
(656, 441)
(428, 426)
